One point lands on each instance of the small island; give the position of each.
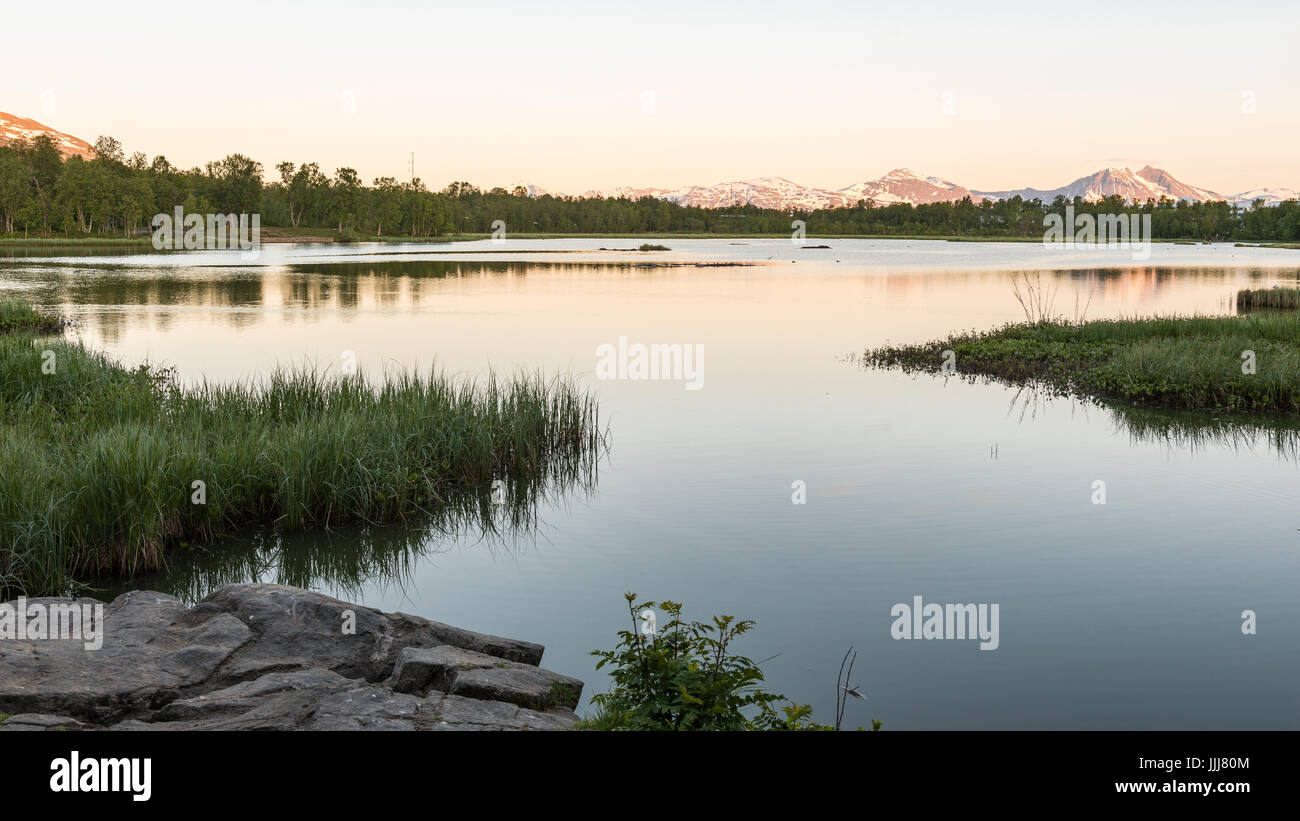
(1249, 362)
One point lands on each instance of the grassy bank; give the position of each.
(99, 462)
(268, 234)
(19, 239)
(286, 235)
(1176, 362)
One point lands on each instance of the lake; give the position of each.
(1122, 615)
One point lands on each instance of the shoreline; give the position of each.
(141, 242)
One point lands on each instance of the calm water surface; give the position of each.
(1122, 615)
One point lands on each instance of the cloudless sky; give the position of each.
(578, 95)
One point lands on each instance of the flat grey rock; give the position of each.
(457, 671)
(272, 657)
(40, 721)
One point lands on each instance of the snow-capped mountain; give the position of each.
(1176, 190)
(902, 185)
(13, 127)
(763, 192)
(1135, 186)
(905, 186)
(1270, 196)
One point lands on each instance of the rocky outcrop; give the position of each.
(270, 657)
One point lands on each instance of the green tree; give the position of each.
(345, 197)
(235, 184)
(109, 150)
(44, 165)
(387, 203)
(15, 188)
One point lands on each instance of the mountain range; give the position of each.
(898, 186)
(906, 186)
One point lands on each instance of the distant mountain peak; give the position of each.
(1148, 183)
(13, 127)
(904, 185)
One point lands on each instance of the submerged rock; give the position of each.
(264, 656)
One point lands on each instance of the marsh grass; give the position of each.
(20, 318)
(1268, 298)
(98, 461)
(1175, 362)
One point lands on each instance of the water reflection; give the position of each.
(1193, 431)
(348, 285)
(43, 250)
(107, 303)
(1183, 430)
(347, 561)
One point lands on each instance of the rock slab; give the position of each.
(271, 657)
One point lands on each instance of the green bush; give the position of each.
(687, 678)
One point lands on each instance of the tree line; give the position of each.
(44, 195)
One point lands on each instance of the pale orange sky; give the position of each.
(578, 95)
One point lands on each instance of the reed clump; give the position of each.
(1254, 299)
(1234, 363)
(104, 468)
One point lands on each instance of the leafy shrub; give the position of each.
(686, 678)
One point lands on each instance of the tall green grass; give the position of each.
(98, 461)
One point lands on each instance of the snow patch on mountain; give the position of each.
(1270, 196)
